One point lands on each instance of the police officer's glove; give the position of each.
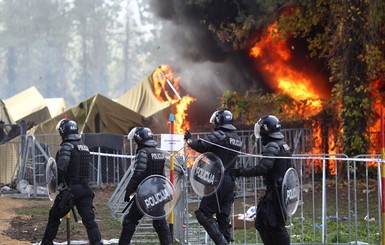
(127, 196)
(235, 172)
(187, 135)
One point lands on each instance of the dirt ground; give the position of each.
(19, 228)
(7, 214)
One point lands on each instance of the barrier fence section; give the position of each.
(23, 157)
(340, 197)
(339, 203)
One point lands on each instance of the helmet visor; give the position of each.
(131, 134)
(257, 130)
(58, 124)
(213, 116)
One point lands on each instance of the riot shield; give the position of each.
(206, 174)
(155, 196)
(51, 178)
(290, 192)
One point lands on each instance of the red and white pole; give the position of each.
(171, 217)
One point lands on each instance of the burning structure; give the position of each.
(231, 34)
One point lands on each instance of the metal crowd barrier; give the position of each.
(340, 197)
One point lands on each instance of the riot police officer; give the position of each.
(73, 163)
(149, 160)
(270, 217)
(226, 144)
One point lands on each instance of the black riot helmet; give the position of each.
(222, 119)
(268, 126)
(68, 129)
(142, 136)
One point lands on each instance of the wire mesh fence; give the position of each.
(340, 197)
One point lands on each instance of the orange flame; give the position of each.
(275, 56)
(166, 88)
(161, 78)
(375, 128)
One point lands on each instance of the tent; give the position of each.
(142, 100)
(97, 114)
(5, 123)
(28, 106)
(55, 106)
(26, 109)
(4, 116)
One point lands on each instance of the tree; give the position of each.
(343, 34)
(34, 40)
(95, 20)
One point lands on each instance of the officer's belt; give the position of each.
(76, 181)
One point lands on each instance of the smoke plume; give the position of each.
(206, 66)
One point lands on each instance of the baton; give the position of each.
(73, 212)
(68, 228)
(128, 204)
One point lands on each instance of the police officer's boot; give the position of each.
(93, 232)
(163, 231)
(127, 233)
(46, 242)
(212, 228)
(216, 235)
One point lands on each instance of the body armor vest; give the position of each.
(281, 165)
(231, 141)
(156, 160)
(79, 165)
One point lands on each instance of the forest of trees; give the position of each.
(74, 48)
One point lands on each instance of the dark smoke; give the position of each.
(207, 67)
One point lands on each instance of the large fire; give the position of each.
(166, 88)
(274, 55)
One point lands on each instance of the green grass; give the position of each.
(33, 211)
(334, 234)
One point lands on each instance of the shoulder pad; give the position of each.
(272, 148)
(273, 144)
(67, 146)
(142, 153)
(141, 160)
(217, 135)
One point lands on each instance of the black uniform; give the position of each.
(219, 229)
(270, 219)
(73, 163)
(149, 161)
